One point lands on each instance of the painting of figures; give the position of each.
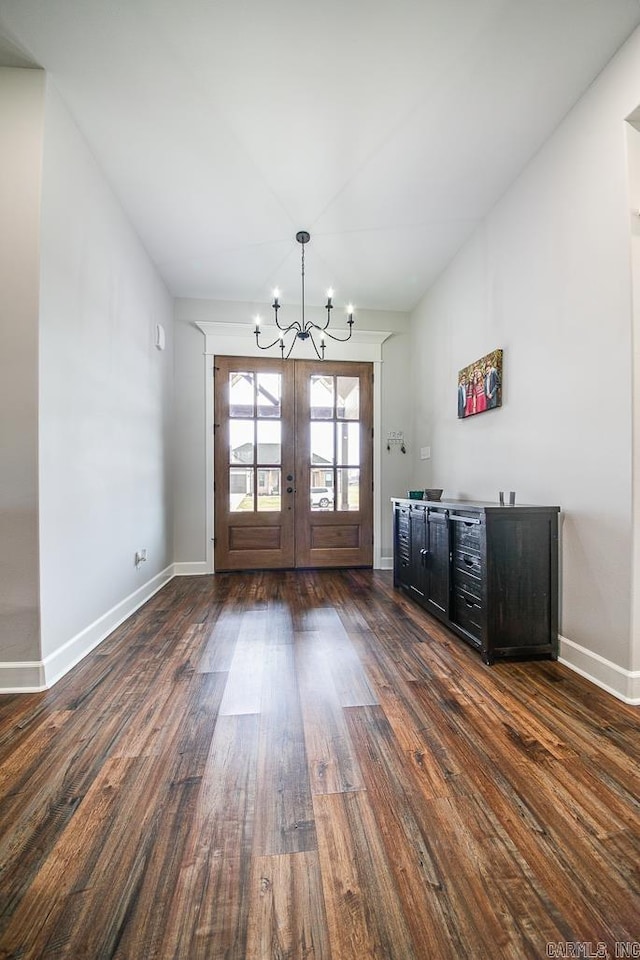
(480, 385)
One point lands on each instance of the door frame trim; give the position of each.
(235, 340)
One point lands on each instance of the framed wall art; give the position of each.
(480, 385)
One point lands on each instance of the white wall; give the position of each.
(105, 404)
(547, 277)
(21, 127)
(190, 453)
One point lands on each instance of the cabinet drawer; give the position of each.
(468, 561)
(466, 535)
(468, 582)
(467, 613)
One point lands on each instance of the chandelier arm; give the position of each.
(293, 340)
(294, 325)
(338, 339)
(319, 355)
(268, 345)
(328, 308)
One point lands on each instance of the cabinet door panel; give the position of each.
(437, 565)
(418, 547)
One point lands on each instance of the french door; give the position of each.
(293, 463)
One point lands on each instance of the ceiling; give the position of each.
(386, 128)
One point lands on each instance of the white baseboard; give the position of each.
(197, 568)
(25, 677)
(386, 563)
(623, 684)
(35, 676)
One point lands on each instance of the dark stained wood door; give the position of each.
(293, 463)
(253, 463)
(334, 464)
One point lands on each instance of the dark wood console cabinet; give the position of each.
(490, 573)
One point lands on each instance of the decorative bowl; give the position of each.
(432, 494)
(415, 494)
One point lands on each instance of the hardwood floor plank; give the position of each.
(408, 844)
(349, 677)
(208, 909)
(144, 931)
(284, 816)
(333, 767)
(364, 913)
(286, 915)
(220, 642)
(243, 692)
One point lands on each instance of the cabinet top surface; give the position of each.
(484, 505)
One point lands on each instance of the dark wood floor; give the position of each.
(305, 765)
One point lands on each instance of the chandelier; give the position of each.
(303, 329)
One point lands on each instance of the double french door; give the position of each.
(293, 463)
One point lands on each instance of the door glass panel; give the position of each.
(348, 490)
(348, 445)
(348, 400)
(322, 443)
(269, 395)
(241, 394)
(240, 489)
(269, 489)
(269, 441)
(322, 497)
(322, 398)
(241, 441)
